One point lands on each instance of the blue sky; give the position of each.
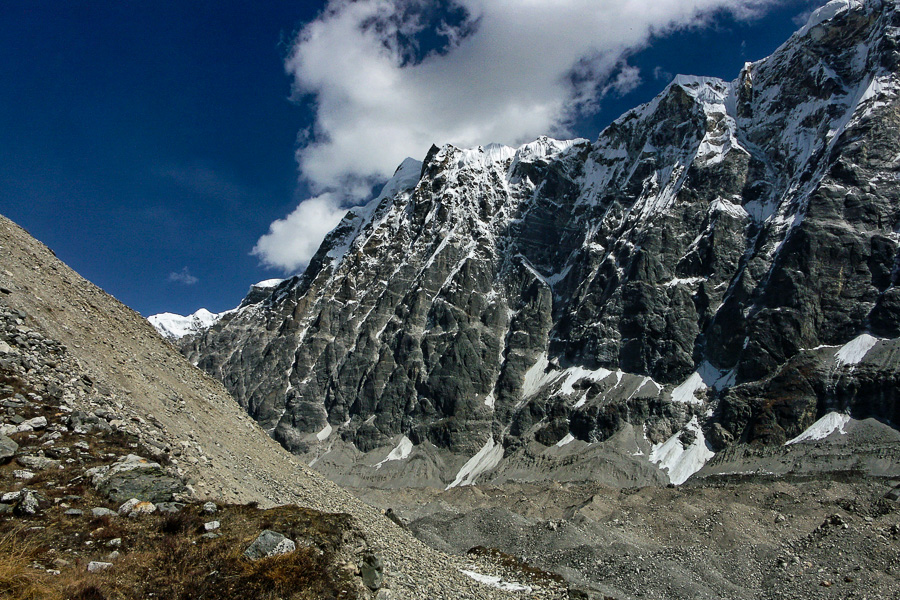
(153, 145)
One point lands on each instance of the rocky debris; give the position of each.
(211, 525)
(209, 507)
(269, 543)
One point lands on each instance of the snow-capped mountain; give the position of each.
(174, 327)
(718, 268)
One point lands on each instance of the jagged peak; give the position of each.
(483, 156)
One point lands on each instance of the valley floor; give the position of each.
(834, 536)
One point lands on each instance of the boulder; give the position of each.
(269, 543)
(8, 449)
(95, 566)
(136, 477)
(372, 571)
(135, 507)
(38, 463)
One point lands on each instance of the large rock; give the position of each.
(135, 477)
(8, 449)
(269, 543)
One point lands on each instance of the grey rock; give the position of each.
(35, 424)
(74, 512)
(100, 511)
(211, 525)
(169, 507)
(29, 504)
(135, 477)
(8, 449)
(209, 507)
(269, 543)
(372, 571)
(38, 463)
(95, 566)
(135, 508)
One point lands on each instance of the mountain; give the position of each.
(715, 273)
(172, 326)
(106, 381)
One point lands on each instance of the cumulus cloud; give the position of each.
(501, 71)
(292, 241)
(183, 276)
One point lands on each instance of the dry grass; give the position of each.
(17, 580)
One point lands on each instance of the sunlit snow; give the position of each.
(496, 582)
(175, 326)
(487, 458)
(680, 462)
(821, 429)
(855, 350)
(401, 452)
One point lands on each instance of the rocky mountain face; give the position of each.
(717, 269)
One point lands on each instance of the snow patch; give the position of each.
(707, 376)
(821, 429)
(326, 431)
(828, 12)
(487, 458)
(267, 284)
(684, 393)
(576, 374)
(566, 440)
(680, 462)
(855, 350)
(401, 452)
(536, 377)
(496, 582)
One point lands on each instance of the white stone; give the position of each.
(95, 566)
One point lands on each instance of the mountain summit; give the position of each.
(717, 269)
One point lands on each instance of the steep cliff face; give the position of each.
(718, 267)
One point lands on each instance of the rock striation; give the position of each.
(718, 268)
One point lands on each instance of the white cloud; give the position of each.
(292, 241)
(183, 276)
(511, 71)
(627, 80)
